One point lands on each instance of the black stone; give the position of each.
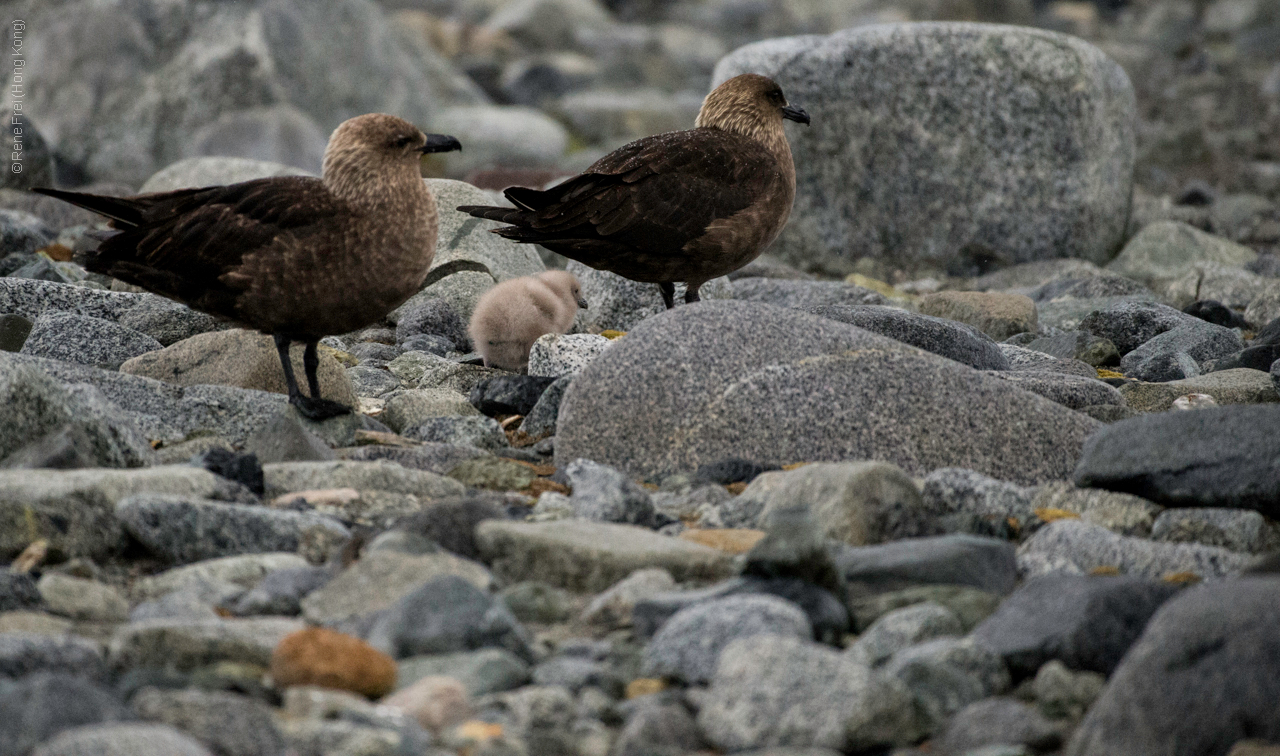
(1215, 457)
(731, 470)
(1196, 193)
(1217, 313)
(1086, 622)
(13, 332)
(18, 591)
(986, 563)
(242, 468)
(509, 394)
(451, 522)
(43, 704)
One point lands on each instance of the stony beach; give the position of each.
(980, 458)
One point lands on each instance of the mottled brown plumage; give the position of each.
(684, 206)
(297, 257)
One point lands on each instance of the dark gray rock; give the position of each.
(182, 529)
(44, 704)
(281, 592)
(68, 448)
(13, 332)
(229, 724)
(1178, 352)
(999, 721)
(1131, 324)
(951, 339)
(429, 343)
(772, 691)
(285, 439)
(89, 341)
(1100, 284)
(794, 547)
(478, 431)
(1215, 312)
(508, 394)
(1204, 675)
(23, 232)
(887, 167)
(803, 295)
(737, 379)
(372, 350)
(689, 644)
(534, 601)
(1235, 529)
(658, 730)
(1216, 457)
(245, 469)
(985, 563)
(1078, 345)
(946, 674)
(1071, 391)
(541, 420)
(901, 628)
(576, 672)
(434, 317)
(22, 654)
(451, 522)
(18, 591)
(445, 615)
(1086, 622)
(604, 494)
(371, 381)
(489, 670)
(36, 407)
(1023, 359)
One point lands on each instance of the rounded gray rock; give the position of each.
(688, 646)
(957, 341)
(89, 341)
(937, 137)
(715, 380)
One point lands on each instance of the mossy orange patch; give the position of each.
(645, 686)
(732, 540)
(1181, 578)
(611, 334)
(1049, 514)
(1105, 570)
(1104, 373)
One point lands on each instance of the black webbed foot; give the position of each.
(318, 409)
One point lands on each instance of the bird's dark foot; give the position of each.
(668, 294)
(318, 409)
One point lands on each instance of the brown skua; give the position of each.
(299, 258)
(683, 206)
(513, 314)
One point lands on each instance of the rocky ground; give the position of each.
(981, 458)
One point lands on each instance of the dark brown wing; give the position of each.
(184, 244)
(651, 197)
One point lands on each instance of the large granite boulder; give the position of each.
(937, 140)
(714, 380)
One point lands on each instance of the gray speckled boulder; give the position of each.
(1072, 391)
(1079, 547)
(738, 379)
(688, 646)
(89, 341)
(804, 295)
(1178, 352)
(958, 341)
(930, 138)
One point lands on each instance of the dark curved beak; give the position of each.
(440, 143)
(582, 302)
(795, 114)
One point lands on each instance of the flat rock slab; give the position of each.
(1237, 386)
(1216, 457)
(591, 556)
(738, 379)
(236, 357)
(1083, 547)
(382, 578)
(985, 563)
(186, 645)
(932, 137)
(75, 509)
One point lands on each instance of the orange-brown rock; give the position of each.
(318, 656)
(732, 540)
